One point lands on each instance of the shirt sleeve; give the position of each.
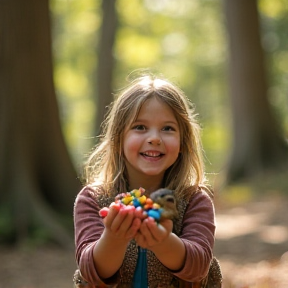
(198, 237)
(88, 226)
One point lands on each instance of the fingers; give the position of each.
(146, 234)
(112, 213)
(123, 219)
(151, 233)
(126, 222)
(139, 213)
(131, 233)
(121, 222)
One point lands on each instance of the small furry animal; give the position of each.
(166, 199)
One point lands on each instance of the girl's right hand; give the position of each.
(121, 222)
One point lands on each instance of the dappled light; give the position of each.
(274, 234)
(146, 53)
(184, 41)
(154, 35)
(261, 275)
(174, 43)
(75, 26)
(172, 8)
(70, 82)
(273, 9)
(240, 222)
(251, 239)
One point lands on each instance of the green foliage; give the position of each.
(216, 142)
(237, 194)
(274, 21)
(183, 40)
(75, 29)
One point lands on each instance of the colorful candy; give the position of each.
(136, 198)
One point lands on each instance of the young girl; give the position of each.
(151, 140)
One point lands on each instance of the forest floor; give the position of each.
(251, 244)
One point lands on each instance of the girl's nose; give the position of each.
(154, 139)
(155, 142)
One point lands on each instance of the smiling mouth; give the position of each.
(152, 154)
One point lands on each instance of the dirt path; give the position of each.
(251, 243)
(253, 231)
(44, 268)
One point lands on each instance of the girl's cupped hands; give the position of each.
(152, 233)
(127, 222)
(122, 223)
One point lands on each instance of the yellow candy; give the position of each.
(127, 199)
(142, 199)
(156, 206)
(137, 193)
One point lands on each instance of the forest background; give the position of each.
(59, 73)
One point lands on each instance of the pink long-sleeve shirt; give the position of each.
(197, 234)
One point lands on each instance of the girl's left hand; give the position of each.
(151, 234)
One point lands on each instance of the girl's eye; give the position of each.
(138, 127)
(168, 128)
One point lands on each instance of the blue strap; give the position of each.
(140, 279)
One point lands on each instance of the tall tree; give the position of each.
(258, 139)
(37, 179)
(105, 59)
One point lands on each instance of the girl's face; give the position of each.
(152, 143)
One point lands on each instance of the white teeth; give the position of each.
(152, 154)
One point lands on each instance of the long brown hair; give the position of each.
(106, 166)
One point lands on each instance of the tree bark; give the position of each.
(38, 180)
(105, 60)
(258, 141)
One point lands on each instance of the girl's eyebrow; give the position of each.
(144, 121)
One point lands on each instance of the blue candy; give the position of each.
(156, 214)
(136, 202)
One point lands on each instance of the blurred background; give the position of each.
(62, 62)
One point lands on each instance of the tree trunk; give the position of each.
(258, 143)
(37, 176)
(105, 60)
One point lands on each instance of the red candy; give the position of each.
(137, 199)
(104, 212)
